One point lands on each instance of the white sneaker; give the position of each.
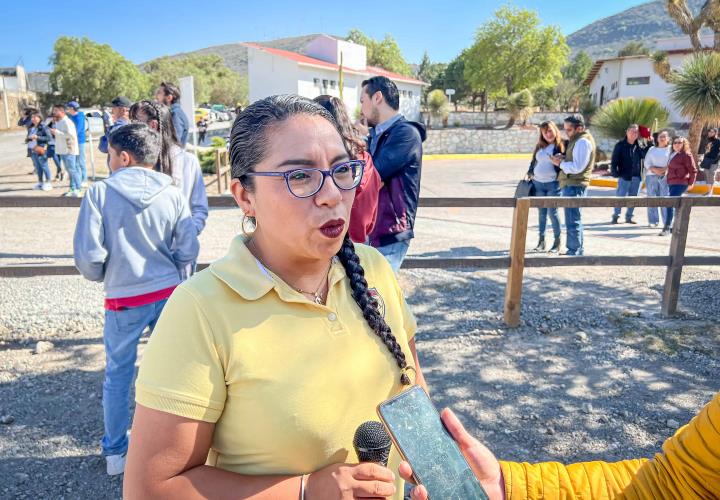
(69, 194)
(115, 464)
(38, 186)
(47, 186)
(84, 184)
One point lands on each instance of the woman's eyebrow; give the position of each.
(311, 163)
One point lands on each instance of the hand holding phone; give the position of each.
(436, 460)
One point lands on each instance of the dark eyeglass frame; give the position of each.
(325, 174)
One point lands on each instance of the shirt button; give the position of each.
(332, 316)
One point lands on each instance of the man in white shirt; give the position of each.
(67, 148)
(576, 167)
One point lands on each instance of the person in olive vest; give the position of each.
(575, 169)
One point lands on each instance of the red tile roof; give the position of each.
(311, 61)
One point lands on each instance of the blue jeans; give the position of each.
(395, 253)
(573, 221)
(55, 158)
(627, 188)
(72, 170)
(41, 167)
(675, 190)
(80, 160)
(656, 185)
(547, 189)
(121, 336)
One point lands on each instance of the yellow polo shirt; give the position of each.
(286, 381)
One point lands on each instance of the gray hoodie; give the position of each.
(135, 233)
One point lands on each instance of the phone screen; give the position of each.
(437, 462)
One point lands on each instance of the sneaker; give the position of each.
(615, 219)
(653, 226)
(665, 231)
(84, 184)
(47, 186)
(38, 186)
(115, 464)
(630, 221)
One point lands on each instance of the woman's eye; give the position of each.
(342, 169)
(299, 176)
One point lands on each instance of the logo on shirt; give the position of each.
(379, 302)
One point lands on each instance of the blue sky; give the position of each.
(142, 30)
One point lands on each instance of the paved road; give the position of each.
(440, 232)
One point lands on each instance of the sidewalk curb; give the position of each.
(612, 183)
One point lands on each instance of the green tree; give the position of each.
(93, 73)
(213, 81)
(429, 72)
(634, 49)
(438, 104)
(385, 53)
(514, 52)
(696, 92)
(578, 68)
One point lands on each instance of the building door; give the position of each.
(602, 95)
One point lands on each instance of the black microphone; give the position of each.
(372, 443)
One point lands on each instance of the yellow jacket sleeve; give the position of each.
(688, 467)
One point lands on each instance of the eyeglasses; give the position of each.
(306, 182)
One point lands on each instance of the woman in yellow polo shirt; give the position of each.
(262, 366)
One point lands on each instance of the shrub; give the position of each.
(614, 118)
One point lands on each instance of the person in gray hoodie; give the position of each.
(135, 234)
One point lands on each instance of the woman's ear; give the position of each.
(244, 198)
(125, 159)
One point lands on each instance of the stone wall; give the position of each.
(493, 119)
(472, 141)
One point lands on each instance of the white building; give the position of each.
(317, 72)
(634, 76)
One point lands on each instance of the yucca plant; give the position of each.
(519, 106)
(438, 104)
(614, 118)
(696, 93)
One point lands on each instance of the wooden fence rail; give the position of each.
(517, 260)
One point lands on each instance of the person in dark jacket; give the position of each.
(710, 159)
(396, 147)
(626, 166)
(37, 143)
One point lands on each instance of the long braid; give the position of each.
(368, 305)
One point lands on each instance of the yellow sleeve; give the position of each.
(688, 467)
(181, 372)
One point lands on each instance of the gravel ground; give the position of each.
(592, 373)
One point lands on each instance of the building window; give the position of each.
(332, 84)
(410, 93)
(325, 84)
(316, 82)
(638, 80)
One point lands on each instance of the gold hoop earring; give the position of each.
(243, 224)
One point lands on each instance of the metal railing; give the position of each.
(515, 262)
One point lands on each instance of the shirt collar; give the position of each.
(249, 278)
(380, 129)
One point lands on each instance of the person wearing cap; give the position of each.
(575, 169)
(169, 94)
(710, 159)
(78, 118)
(121, 116)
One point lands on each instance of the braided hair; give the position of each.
(249, 141)
(147, 111)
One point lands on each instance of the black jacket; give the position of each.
(533, 162)
(398, 160)
(627, 159)
(712, 152)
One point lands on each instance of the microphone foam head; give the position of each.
(372, 443)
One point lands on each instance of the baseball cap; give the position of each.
(121, 102)
(576, 119)
(73, 105)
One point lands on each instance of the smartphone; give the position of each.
(415, 427)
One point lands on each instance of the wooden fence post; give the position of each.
(513, 290)
(227, 173)
(218, 168)
(677, 257)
